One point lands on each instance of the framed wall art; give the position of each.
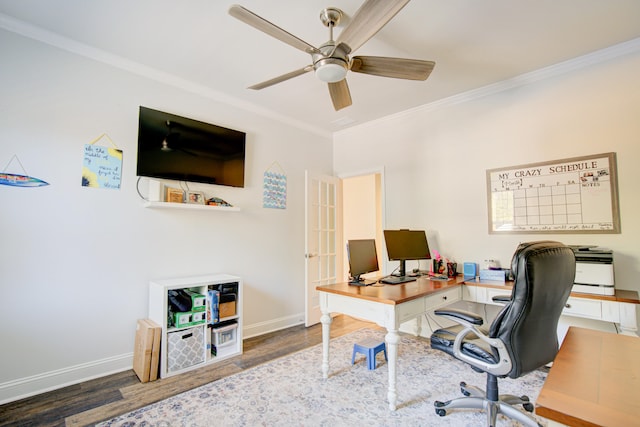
(195, 197)
(173, 195)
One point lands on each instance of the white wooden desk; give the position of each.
(391, 305)
(386, 305)
(618, 309)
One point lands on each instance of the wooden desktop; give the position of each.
(594, 381)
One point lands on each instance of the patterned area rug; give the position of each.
(290, 391)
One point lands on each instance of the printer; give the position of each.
(594, 270)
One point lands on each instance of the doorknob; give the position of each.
(310, 255)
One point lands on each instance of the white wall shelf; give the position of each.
(192, 206)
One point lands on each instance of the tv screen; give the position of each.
(363, 259)
(182, 149)
(403, 245)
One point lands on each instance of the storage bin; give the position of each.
(185, 348)
(224, 335)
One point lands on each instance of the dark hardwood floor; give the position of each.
(104, 398)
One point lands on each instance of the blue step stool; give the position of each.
(369, 347)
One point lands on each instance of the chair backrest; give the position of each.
(544, 272)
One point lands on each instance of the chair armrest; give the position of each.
(467, 316)
(503, 299)
(470, 322)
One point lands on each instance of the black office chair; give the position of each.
(523, 336)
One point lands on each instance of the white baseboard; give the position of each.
(29, 386)
(262, 328)
(21, 388)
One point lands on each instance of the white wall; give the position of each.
(75, 262)
(435, 158)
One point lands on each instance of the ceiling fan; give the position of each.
(331, 60)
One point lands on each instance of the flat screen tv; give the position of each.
(405, 245)
(182, 149)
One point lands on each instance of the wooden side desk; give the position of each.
(594, 381)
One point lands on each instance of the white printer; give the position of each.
(594, 270)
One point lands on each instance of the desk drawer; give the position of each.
(582, 307)
(483, 294)
(443, 298)
(410, 310)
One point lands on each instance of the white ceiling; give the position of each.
(196, 44)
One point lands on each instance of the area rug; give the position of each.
(290, 391)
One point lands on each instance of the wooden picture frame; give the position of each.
(195, 197)
(578, 195)
(173, 195)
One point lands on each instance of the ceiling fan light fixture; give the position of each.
(331, 70)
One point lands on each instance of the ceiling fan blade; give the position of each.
(267, 27)
(340, 95)
(399, 68)
(368, 20)
(282, 78)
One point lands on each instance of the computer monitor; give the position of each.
(403, 245)
(363, 259)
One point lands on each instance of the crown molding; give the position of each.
(70, 45)
(597, 57)
(629, 47)
(56, 40)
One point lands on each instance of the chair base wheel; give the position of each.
(463, 389)
(475, 398)
(439, 410)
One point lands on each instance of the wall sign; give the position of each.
(576, 195)
(274, 187)
(101, 166)
(19, 180)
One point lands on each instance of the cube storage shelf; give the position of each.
(185, 348)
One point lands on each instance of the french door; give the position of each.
(323, 231)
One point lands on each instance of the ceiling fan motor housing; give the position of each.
(332, 63)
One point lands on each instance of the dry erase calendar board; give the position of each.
(577, 195)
